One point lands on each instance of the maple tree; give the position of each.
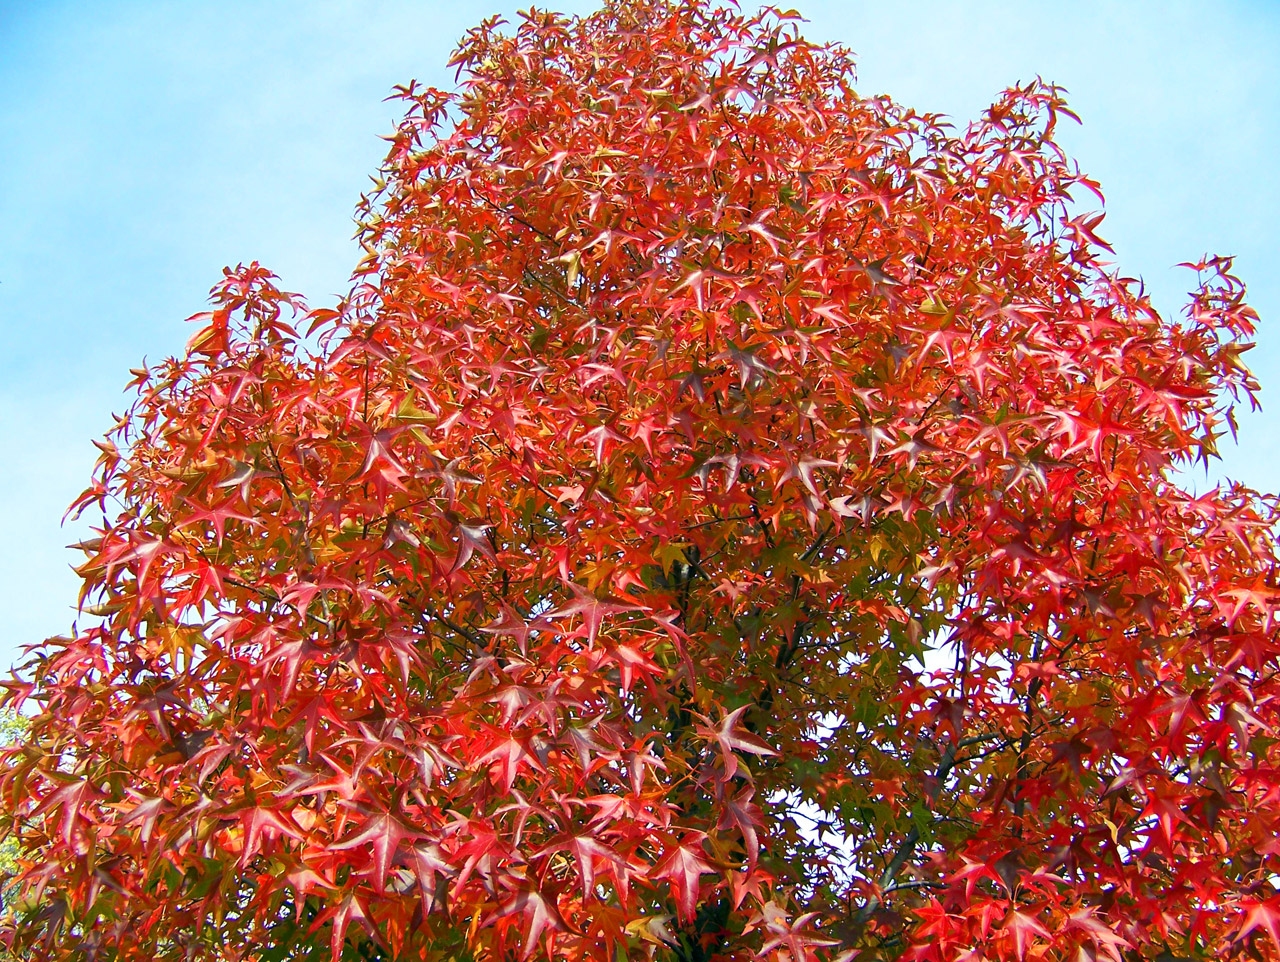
(729, 517)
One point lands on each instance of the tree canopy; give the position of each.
(729, 517)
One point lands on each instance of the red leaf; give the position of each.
(1024, 930)
(384, 833)
(341, 914)
(683, 866)
(259, 822)
(592, 609)
(1261, 915)
(507, 756)
(541, 914)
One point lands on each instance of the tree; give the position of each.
(729, 516)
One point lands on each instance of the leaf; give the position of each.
(1261, 915)
(541, 915)
(384, 833)
(261, 822)
(751, 369)
(586, 850)
(1024, 930)
(219, 515)
(592, 609)
(731, 739)
(508, 755)
(428, 862)
(741, 813)
(147, 811)
(241, 476)
(683, 865)
(471, 539)
(340, 915)
(70, 798)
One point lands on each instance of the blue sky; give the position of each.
(145, 144)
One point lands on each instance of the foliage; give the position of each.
(730, 516)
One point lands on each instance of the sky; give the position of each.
(145, 145)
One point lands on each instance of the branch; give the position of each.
(906, 848)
